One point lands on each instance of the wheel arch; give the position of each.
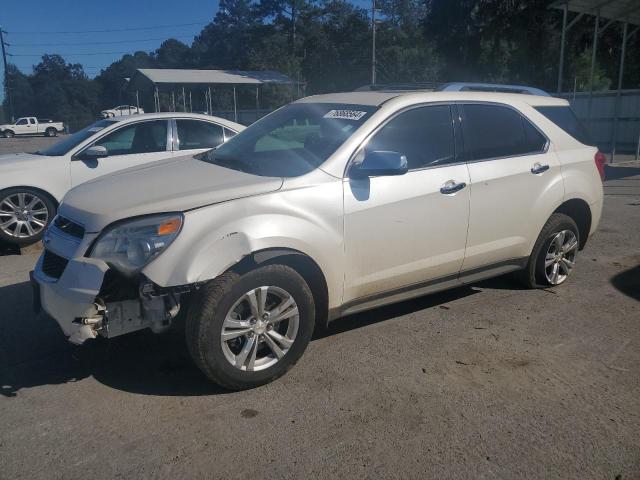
(580, 212)
(51, 197)
(301, 263)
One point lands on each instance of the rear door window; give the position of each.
(567, 121)
(193, 134)
(495, 131)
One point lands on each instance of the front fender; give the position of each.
(217, 237)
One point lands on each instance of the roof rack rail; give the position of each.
(394, 87)
(490, 87)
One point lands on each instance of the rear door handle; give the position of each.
(539, 168)
(452, 187)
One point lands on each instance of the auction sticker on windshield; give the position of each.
(345, 114)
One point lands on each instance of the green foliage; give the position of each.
(582, 73)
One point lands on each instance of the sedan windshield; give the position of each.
(64, 146)
(292, 141)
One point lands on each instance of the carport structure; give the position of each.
(606, 13)
(169, 79)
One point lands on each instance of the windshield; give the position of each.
(292, 141)
(63, 146)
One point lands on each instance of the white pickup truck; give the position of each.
(32, 126)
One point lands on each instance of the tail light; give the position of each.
(600, 160)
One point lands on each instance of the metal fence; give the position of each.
(612, 120)
(245, 117)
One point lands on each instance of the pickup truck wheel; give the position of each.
(51, 132)
(24, 215)
(8, 134)
(247, 330)
(554, 253)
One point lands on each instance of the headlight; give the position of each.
(128, 246)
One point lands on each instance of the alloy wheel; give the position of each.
(23, 215)
(260, 328)
(561, 256)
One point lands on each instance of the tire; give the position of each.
(51, 132)
(539, 272)
(9, 134)
(222, 306)
(38, 216)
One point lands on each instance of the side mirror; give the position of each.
(94, 152)
(379, 164)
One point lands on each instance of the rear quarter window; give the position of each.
(564, 118)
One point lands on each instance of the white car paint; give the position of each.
(375, 240)
(56, 175)
(31, 126)
(121, 110)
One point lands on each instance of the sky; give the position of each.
(35, 27)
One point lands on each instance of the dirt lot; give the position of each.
(489, 381)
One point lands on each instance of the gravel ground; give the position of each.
(489, 381)
(26, 144)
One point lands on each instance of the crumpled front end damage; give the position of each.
(90, 299)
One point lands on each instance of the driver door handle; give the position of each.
(539, 168)
(452, 187)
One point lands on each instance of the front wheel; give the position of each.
(247, 330)
(24, 215)
(554, 253)
(9, 134)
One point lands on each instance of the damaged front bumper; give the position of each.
(71, 298)
(85, 304)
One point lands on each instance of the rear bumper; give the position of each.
(72, 296)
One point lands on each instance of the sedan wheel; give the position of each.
(260, 328)
(561, 256)
(23, 216)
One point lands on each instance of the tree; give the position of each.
(21, 92)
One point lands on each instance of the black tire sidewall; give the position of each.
(556, 224)
(211, 321)
(47, 202)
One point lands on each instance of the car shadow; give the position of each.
(628, 282)
(34, 352)
(620, 172)
(8, 249)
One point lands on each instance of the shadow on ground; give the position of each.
(8, 249)
(628, 282)
(617, 173)
(34, 352)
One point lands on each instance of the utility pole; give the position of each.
(373, 39)
(6, 74)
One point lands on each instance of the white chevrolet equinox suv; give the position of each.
(331, 205)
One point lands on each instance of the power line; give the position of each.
(23, 32)
(66, 53)
(95, 43)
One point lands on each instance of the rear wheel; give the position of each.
(51, 132)
(24, 215)
(247, 330)
(554, 253)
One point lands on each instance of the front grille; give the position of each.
(53, 265)
(69, 227)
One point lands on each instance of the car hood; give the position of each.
(10, 160)
(172, 185)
